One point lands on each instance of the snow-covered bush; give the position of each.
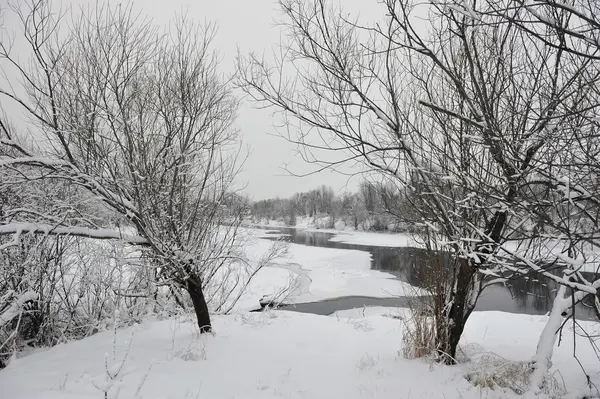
(57, 289)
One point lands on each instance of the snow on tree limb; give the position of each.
(14, 308)
(101, 234)
(72, 173)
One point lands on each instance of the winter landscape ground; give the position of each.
(132, 263)
(283, 354)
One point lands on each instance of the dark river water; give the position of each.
(525, 295)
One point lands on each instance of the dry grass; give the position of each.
(425, 326)
(488, 370)
(425, 332)
(419, 338)
(367, 362)
(194, 352)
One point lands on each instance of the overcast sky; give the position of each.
(247, 25)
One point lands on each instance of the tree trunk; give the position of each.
(545, 347)
(194, 288)
(465, 292)
(460, 310)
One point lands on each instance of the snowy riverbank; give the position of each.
(589, 261)
(312, 273)
(277, 354)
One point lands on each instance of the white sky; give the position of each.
(248, 25)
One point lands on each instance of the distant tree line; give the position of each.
(373, 206)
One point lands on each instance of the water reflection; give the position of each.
(523, 295)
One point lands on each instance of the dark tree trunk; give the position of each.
(194, 288)
(461, 308)
(459, 312)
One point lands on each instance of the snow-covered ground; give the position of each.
(278, 354)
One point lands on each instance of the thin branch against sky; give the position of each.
(273, 164)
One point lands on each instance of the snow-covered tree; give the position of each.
(482, 123)
(139, 121)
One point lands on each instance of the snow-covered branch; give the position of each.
(101, 234)
(16, 306)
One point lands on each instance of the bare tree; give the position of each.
(573, 24)
(470, 115)
(141, 121)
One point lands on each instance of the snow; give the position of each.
(343, 272)
(358, 237)
(545, 347)
(270, 281)
(14, 308)
(376, 239)
(277, 355)
(342, 233)
(553, 248)
(320, 273)
(588, 261)
(37, 228)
